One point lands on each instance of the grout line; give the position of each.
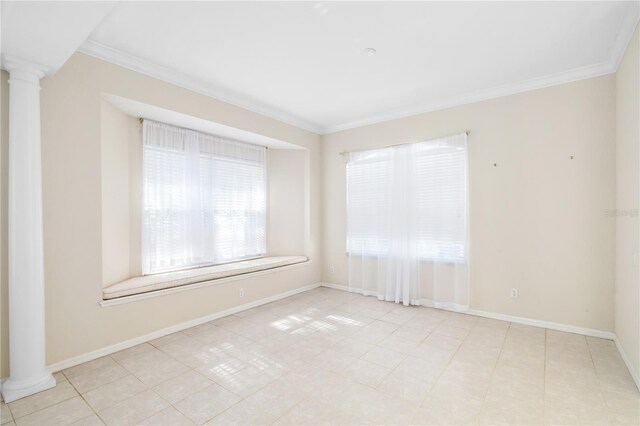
(604, 399)
(493, 372)
(544, 378)
(82, 396)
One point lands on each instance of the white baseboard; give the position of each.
(633, 370)
(518, 320)
(546, 324)
(335, 286)
(76, 360)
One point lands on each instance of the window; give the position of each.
(413, 195)
(204, 199)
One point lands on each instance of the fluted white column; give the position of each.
(28, 371)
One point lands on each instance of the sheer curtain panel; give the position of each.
(407, 223)
(204, 199)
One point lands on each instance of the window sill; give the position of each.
(159, 284)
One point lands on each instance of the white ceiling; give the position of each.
(46, 34)
(302, 62)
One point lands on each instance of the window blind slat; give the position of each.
(204, 199)
(435, 180)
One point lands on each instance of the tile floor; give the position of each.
(331, 357)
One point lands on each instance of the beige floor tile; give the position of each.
(448, 410)
(64, 413)
(316, 412)
(578, 406)
(88, 366)
(512, 411)
(169, 417)
(182, 386)
(243, 382)
(366, 373)
(173, 338)
(207, 403)
(330, 357)
(92, 420)
(426, 370)
(114, 392)
(333, 360)
(405, 386)
(243, 413)
(452, 331)
(154, 368)
(134, 409)
(96, 377)
(278, 397)
(398, 317)
(5, 413)
(134, 351)
(60, 377)
(354, 348)
(41, 400)
(309, 377)
(384, 357)
(398, 342)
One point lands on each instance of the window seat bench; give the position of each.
(166, 280)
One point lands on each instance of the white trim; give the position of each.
(623, 38)
(546, 324)
(157, 293)
(134, 63)
(117, 57)
(481, 95)
(89, 356)
(627, 361)
(518, 320)
(335, 286)
(12, 391)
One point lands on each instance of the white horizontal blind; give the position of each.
(204, 199)
(441, 202)
(418, 188)
(368, 196)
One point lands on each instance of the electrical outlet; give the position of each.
(332, 269)
(514, 293)
(241, 292)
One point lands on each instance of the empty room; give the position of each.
(319, 213)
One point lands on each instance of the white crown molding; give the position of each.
(609, 66)
(618, 49)
(117, 57)
(481, 95)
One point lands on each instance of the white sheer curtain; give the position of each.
(407, 223)
(204, 199)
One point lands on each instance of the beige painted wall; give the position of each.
(627, 297)
(71, 162)
(287, 191)
(537, 220)
(116, 194)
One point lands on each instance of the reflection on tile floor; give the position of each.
(331, 357)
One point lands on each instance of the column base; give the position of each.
(12, 390)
